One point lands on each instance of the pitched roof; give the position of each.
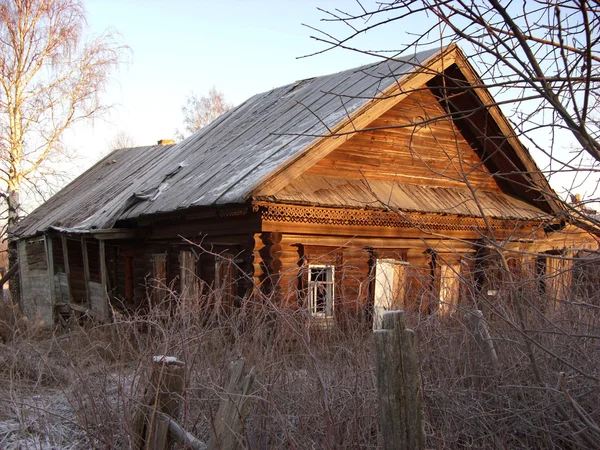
(248, 151)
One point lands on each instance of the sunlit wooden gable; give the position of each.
(429, 143)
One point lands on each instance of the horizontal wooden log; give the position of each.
(275, 250)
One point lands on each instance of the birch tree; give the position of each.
(199, 111)
(122, 139)
(50, 79)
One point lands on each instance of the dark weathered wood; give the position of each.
(65, 253)
(184, 437)
(102, 304)
(8, 275)
(86, 268)
(226, 432)
(398, 383)
(155, 426)
(163, 395)
(483, 341)
(50, 259)
(159, 439)
(81, 309)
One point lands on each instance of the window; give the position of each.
(389, 289)
(321, 290)
(449, 287)
(554, 274)
(35, 250)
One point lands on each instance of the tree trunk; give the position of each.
(13, 257)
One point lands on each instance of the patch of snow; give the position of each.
(166, 360)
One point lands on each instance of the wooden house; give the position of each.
(340, 195)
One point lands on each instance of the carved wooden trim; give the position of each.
(380, 218)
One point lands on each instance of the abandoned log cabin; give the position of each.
(341, 195)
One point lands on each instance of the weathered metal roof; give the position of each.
(224, 162)
(95, 199)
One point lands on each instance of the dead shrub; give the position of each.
(315, 386)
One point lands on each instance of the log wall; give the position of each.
(280, 262)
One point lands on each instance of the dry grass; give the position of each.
(315, 388)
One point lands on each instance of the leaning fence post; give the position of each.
(480, 332)
(398, 384)
(228, 423)
(162, 400)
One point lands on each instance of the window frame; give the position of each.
(386, 295)
(312, 287)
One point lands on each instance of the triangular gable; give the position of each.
(429, 168)
(509, 159)
(358, 120)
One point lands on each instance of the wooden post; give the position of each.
(50, 258)
(103, 306)
(479, 330)
(155, 426)
(228, 424)
(398, 384)
(163, 396)
(86, 270)
(65, 251)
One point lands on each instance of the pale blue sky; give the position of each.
(242, 47)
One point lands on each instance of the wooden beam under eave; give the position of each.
(63, 240)
(446, 245)
(102, 311)
(360, 119)
(114, 233)
(353, 231)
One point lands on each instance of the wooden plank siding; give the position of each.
(415, 143)
(35, 289)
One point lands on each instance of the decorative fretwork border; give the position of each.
(380, 218)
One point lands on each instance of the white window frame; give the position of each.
(313, 287)
(388, 291)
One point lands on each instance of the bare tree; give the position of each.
(199, 111)
(121, 140)
(50, 79)
(540, 59)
